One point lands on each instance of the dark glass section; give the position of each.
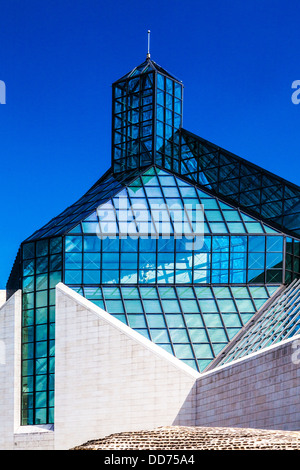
(262, 194)
(292, 259)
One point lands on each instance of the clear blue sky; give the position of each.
(58, 59)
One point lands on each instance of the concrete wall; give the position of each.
(108, 378)
(10, 364)
(259, 391)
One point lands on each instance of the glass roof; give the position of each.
(160, 203)
(192, 323)
(281, 320)
(102, 190)
(146, 188)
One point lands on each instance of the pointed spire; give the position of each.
(148, 53)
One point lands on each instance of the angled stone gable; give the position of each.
(109, 378)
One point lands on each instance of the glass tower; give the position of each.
(147, 115)
(181, 240)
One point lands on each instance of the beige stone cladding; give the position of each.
(261, 390)
(109, 378)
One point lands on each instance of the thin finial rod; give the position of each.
(148, 53)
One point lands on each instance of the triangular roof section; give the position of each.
(147, 66)
(108, 185)
(158, 184)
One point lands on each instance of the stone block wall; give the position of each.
(10, 369)
(258, 391)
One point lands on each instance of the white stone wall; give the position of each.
(10, 363)
(259, 391)
(2, 297)
(34, 438)
(108, 378)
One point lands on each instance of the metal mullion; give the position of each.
(103, 297)
(133, 214)
(220, 313)
(119, 237)
(34, 336)
(228, 235)
(149, 210)
(165, 120)
(265, 260)
(284, 259)
(166, 205)
(186, 327)
(204, 324)
(235, 304)
(179, 150)
(140, 121)
(182, 200)
(243, 222)
(173, 126)
(165, 320)
(123, 303)
(63, 268)
(154, 116)
(115, 211)
(113, 128)
(48, 336)
(144, 311)
(138, 262)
